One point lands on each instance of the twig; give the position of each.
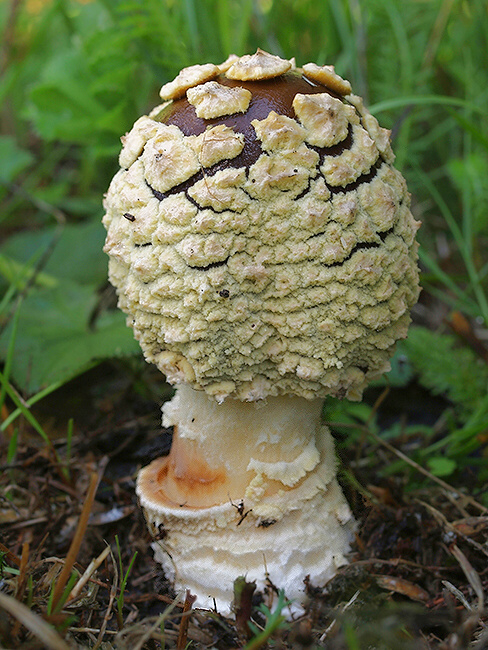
(399, 561)
(27, 522)
(62, 487)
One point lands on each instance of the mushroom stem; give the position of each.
(265, 503)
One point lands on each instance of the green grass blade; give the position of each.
(192, 23)
(24, 410)
(30, 402)
(462, 301)
(423, 100)
(9, 356)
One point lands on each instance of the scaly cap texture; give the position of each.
(260, 239)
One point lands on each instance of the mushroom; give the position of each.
(263, 249)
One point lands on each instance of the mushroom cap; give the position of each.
(260, 239)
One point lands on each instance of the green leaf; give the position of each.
(60, 105)
(440, 466)
(55, 341)
(13, 159)
(76, 256)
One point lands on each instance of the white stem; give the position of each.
(218, 449)
(247, 489)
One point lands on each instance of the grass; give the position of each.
(123, 583)
(75, 76)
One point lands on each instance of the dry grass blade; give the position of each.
(471, 574)
(33, 622)
(458, 594)
(108, 611)
(22, 579)
(185, 619)
(9, 555)
(76, 543)
(367, 430)
(90, 570)
(334, 623)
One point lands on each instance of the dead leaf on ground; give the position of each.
(402, 587)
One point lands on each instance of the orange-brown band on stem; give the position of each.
(269, 449)
(183, 478)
